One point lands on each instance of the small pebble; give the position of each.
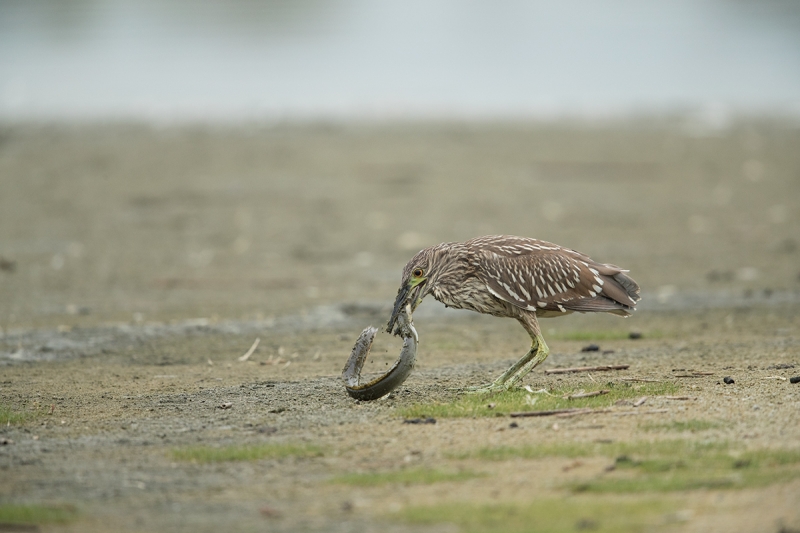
(513, 425)
(635, 335)
(795, 379)
(591, 348)
(728, 380)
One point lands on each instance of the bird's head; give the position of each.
(419, 278)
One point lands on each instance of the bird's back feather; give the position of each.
(541, 276)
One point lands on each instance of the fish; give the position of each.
(386, 383)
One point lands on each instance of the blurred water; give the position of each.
(243, 59)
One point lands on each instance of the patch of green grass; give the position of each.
(572, 450)
(544, 516)
(252, 452)
(685, 465)
(662, 466)
(768, 458)
(37, 514)
(517, 400)
(671, 477)
(411, 476)
(681, 425)
(12, 416)
(504, 453)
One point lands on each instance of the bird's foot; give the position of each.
(491, 388)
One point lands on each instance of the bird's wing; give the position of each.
(538, 275)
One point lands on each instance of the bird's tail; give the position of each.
(631, 287)
(620, 293)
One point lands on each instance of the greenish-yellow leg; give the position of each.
(538, 353)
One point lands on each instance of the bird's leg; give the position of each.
(538, 353)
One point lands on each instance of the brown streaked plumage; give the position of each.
(515, 277)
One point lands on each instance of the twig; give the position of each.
(641, 380)
(252, 349)
(694, 375)
(602, 368)
(640, 401)
(776, 377)
(651, 411)
(678, 398)
(558, 412)
(585, 411)
(586, 394)
(540, 391)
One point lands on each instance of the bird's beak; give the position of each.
(408, 293)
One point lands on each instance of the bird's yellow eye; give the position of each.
(418, 272)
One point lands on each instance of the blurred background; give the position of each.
(279, 59)
(246, 159)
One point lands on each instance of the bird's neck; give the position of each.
(451, 281)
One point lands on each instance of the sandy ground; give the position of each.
(138, 264)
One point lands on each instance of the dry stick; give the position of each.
(775, 377)
(651, 411)
(678, 398)
(252, 349)
(559, 412)
(585, 411)
(641, 380)
(694, 375)
(574, 411)
(640, 401)
(586, 394)
(540, 391)
(603, 368)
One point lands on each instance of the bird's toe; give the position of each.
(491, 388)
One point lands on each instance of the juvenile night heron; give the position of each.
(515, 277)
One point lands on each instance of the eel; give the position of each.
(382, 385)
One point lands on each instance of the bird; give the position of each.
(515, 277)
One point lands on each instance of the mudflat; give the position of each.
(139, 264)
